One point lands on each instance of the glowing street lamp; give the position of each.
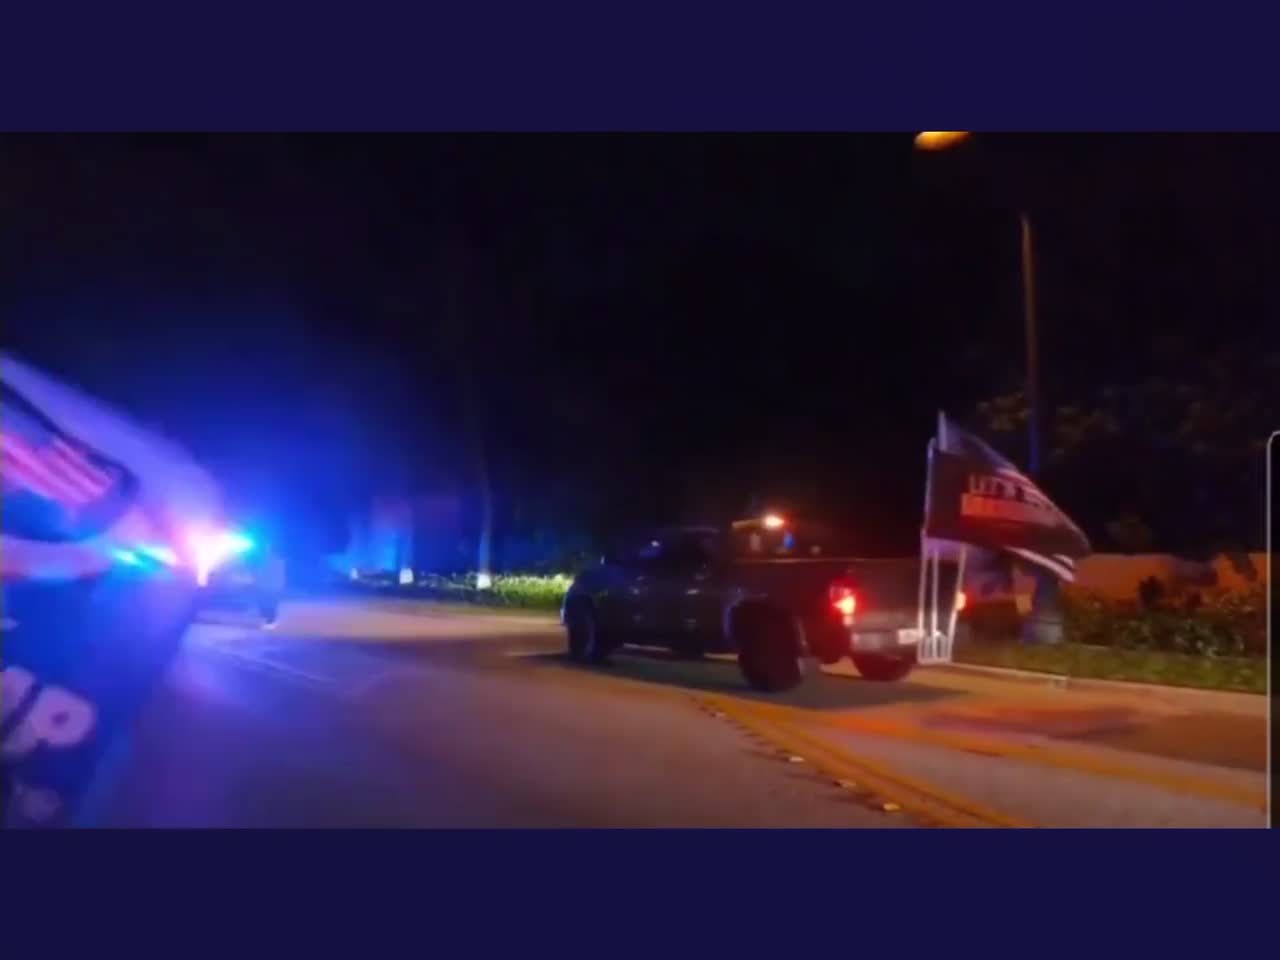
(938, 140)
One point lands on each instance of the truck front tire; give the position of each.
(586, 644)
(884, 668)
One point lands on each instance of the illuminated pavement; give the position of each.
(378, 713)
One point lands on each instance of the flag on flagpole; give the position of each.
(978, 497)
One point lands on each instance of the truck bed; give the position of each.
(886, 589)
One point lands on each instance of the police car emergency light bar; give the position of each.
(213, 548)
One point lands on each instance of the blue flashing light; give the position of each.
(213, 548)
(166, 555)
(126, 557)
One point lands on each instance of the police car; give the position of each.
(105, 528)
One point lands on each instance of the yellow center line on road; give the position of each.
(1138, 769)
(1060, 758)
(927, 802)
(1036, 754)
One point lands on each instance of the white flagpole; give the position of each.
(923, 573)
(924, 555)
(955, 600)
(936, 554)
(933, 615)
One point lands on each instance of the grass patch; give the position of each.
(1242, 674)
(1206, 638)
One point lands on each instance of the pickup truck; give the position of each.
(247, 577)
(772, 591)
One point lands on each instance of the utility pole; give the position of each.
(463, 318)
(475, 428)
(1044, 623)
(459, 272)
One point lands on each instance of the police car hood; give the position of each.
(170, 492)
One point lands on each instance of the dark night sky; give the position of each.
(649, 317)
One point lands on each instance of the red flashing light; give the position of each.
(961, 601)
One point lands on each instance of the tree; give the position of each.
(1169, 463)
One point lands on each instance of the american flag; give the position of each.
(36, 459)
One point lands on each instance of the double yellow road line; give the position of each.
(891, 790)
(793, 725)
(782, 728)
(790, 730)
(1133, 770)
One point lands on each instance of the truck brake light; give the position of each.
(843, 598)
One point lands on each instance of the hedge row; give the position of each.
(506, 590)
(1204, 623)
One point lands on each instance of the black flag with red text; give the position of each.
(976, 496)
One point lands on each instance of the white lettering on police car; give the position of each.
(57, 719)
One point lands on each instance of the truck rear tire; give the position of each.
(767, 653)
(883, 668)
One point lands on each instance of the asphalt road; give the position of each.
(358, 713)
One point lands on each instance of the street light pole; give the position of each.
(1035, 412)
(936, 142)
(1044, 625)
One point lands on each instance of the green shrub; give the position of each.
(541, 592)
(1193, 622)
(506, 590)
(1205, 622)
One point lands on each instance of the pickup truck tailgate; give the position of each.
(887, 590)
